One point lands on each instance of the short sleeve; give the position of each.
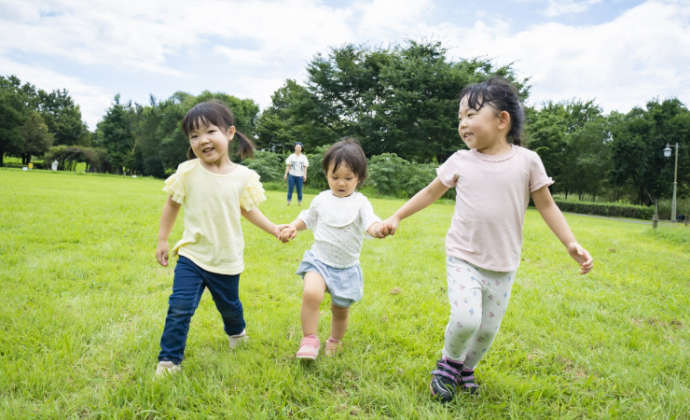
(174, 184)
(537, 174)
(311, 215)
(448, 172)
(366, 212)
(253, 193)
(306, 161)
(288, 160)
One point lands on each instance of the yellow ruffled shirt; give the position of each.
(212, 235)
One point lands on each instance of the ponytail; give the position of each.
(246, 146)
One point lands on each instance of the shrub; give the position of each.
(316, 178)
(392, 175)
(69, 156)
(607, 209)
(269, 165)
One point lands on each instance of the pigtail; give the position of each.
(246, 146)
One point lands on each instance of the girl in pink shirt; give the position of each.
(494, 181)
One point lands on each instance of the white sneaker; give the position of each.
(237, 339)
(166, 367)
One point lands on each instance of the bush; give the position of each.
(69, 156)
(269, 165)
(392, 175)
(316, 178)
(607, 209)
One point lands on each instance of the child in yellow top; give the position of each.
(214, 192)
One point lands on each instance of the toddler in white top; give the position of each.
(339, 218)
(494, 181)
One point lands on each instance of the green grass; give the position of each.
(83, 306)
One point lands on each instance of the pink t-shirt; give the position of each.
(492, 195)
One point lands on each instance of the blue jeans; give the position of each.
(188, 286)
(295, 181)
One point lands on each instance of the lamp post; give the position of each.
(667, 154)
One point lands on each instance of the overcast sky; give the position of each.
(621, 53)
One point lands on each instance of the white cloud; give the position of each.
(255, 45)
(566, 7)
(640, 55)
(92, 100)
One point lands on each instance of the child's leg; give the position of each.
(225, 292)
(465, 296)
(339, 321)
(188, 286)
(497, 287)
(314, 288)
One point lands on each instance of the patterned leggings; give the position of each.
(478, 300)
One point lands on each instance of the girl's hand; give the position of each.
(582, 257)
(286, 233)
(162, 253)
(284, 177)
(390, 225)
(376, 230)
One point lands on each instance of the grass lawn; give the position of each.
(83, 306)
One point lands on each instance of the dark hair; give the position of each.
(216, 113)
(300, 145)
(349, 151)
(503, 96)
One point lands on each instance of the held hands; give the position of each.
(162, 253)
(286, 233)
(389, 226)
(581, 256)
(382, 229)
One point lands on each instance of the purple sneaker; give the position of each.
(444, 379)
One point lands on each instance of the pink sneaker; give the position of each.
(332, 346)
(308, 348)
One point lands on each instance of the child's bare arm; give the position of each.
(419, 201)
(168, 216)
(257, 218)
(554, 219)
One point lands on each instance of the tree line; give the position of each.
(401, 102)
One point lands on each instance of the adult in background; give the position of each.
(296, 172)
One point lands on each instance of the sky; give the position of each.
(619, 53)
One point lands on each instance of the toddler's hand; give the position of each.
(286, 233)
(389, 226)
(162, 253)
(582, 257)
(376, 230)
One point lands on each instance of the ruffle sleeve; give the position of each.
(174, 184)
(253, 193)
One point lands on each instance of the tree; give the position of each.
(63, 118)
(293, 116)
(638, 139)
(114, 134)
(401, 100)
(16, 101)
(36, 137)
(572, 140)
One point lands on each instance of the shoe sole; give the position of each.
(306, 356)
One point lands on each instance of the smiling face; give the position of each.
(484, 129)
(210, 143)
(342, 181)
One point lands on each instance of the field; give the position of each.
(83, 306)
